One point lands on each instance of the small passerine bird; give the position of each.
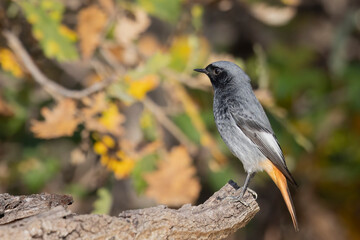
(245, 128)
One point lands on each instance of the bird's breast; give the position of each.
(238, 143)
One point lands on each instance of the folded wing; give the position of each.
(264, 138)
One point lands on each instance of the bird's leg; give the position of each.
(249, 176)
(244, 188)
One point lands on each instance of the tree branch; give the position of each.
(39, 77)
(217, 218)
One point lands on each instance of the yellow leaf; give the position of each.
(67, 32)
(111, 118)
(180, 53)
(55, 15)
(58, 122)
(33, 18)
(146, 120)
(139, 88)
(101, 116)
(174, 183)
(52, 48)
(108, 141)
(9, 63)
(100, 148)
(91, 22)
(121, 166)
(38, 34)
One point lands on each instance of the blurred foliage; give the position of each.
(56, 39)
(152, 127)
(103, 204)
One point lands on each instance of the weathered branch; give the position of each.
(217, 218)
(48, 84)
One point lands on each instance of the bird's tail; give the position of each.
(281, 183)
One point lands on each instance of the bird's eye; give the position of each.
(217, 71)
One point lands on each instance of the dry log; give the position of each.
(45, 216)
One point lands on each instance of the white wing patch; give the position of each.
(269, 141)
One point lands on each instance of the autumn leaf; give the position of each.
(139, 88)
(91, 22)
(102, 116)
(128, 29)
(168, 11)
(148, 45)
(61, 121)
(9, 63)
(272, 15)
(56, 40)
(68, 33)
(180, 53)
(174, 183)
(115, 160)
(107, 5)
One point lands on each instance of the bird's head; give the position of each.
(224, 73)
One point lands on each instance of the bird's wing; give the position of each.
(264, 138)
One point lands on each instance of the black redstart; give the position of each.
(245, 128)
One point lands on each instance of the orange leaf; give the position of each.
(107, 5)
(58, 122)
(148, 45)
(129, 29)
(91, 22)
(174, 183)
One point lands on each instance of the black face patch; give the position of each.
(217, 75)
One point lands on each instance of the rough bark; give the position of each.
(45, 216)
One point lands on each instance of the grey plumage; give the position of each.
(241, 120)
(245, 128)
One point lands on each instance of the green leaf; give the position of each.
(164, 9)
(183, 121)
(154, 65)
(146, 164)
(76, 190)
(351, 75)
(45, 17)
(103, 203)
(36, 172)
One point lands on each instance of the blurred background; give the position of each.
(147, 136)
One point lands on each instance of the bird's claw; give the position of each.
(253, 193)
(240, 197)
(237, 199)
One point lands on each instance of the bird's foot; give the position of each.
(238, 199)
(253, 193)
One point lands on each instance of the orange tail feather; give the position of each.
(281, 183)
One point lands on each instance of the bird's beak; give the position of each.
(201, 70)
